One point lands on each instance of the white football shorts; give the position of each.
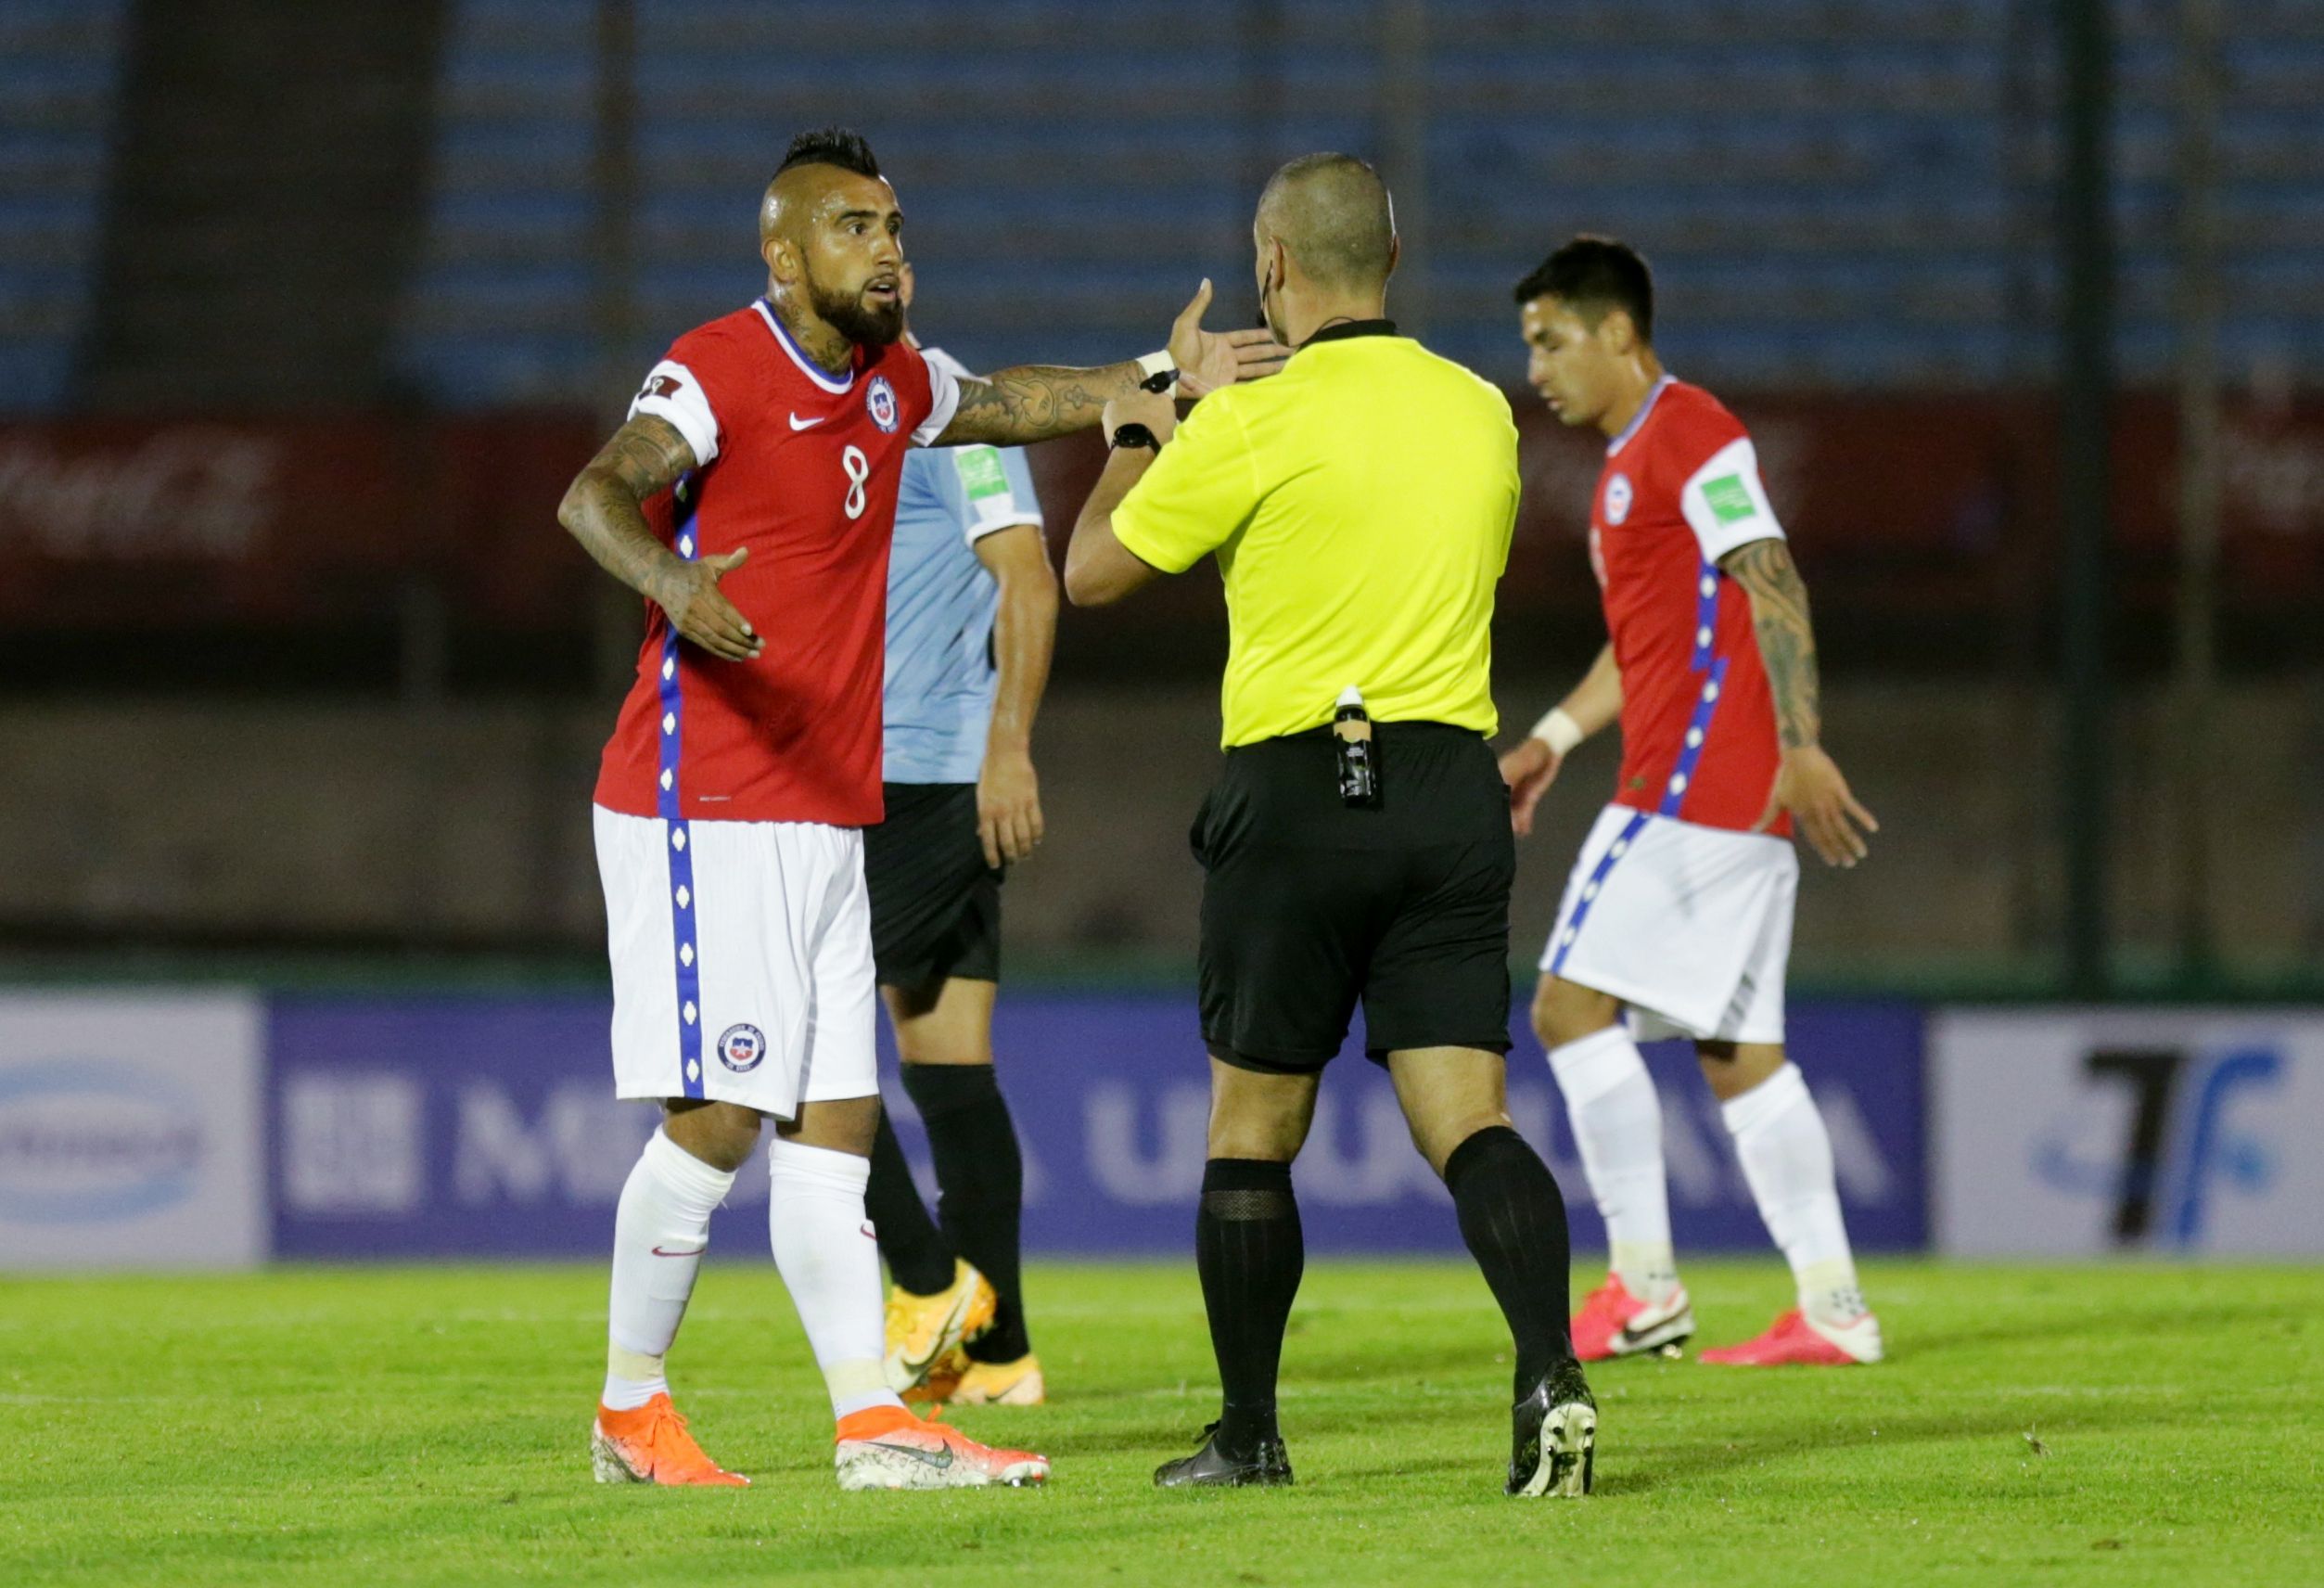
(1690, 925)
(742, 961)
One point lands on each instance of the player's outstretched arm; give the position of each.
(1532, 765)
(1035, 402)
(604, 509)
(1808, 784)
(1024, 633)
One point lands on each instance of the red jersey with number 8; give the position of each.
(1679, 490)
(799, 468)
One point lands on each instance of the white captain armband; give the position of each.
(671, 392)
(945, 374)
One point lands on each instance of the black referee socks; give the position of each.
(1249, 1252)
(1514, 1221)
(980, 1188)
(919, 1258)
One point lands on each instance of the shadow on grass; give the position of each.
(2045, 1327)
(1685, 1460)
(1627, 1471)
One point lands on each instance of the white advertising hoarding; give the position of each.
(131, 1131)
(2075, 1131)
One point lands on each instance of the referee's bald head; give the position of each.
(1333, 216)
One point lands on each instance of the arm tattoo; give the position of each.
(1034, 402)
(602, 506)
(1787, 639)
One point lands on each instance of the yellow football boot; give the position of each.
(1015, 1383)
(922, 1330)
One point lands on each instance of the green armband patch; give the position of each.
(1728, 499)
(981, 472)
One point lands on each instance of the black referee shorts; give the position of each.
(1309, 906)
(936, 904)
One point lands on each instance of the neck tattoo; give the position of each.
(818, 339)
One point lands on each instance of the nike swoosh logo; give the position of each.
(1632, 1334)
(952, 1321)
(936, 1458)
(697, 1251)
(799, 424)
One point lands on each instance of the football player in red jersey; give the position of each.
(750, 497)
(1678, 912)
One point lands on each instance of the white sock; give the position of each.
(824, 1250)
(1786, 1156)
(1617, 1123)
(659, 1233)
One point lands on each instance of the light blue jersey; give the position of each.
(941, 604)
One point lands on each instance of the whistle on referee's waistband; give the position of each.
(1351, 738)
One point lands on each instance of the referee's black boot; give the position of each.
(1554, 1436)
(1211, 1468)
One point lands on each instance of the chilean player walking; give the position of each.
(1679, 908)
(750, 497)
(972, 618)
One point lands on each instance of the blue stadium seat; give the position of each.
(59, 65)
(1837, 192)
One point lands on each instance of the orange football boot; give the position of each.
(651, 1445)
(886, 1447)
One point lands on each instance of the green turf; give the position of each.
(349, 1428)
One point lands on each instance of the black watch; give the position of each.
(1136, 435)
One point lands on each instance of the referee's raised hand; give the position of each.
(1208, 360)
(689, 593)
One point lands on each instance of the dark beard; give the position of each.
(865, 328)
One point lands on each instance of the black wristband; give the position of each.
(1136, 435)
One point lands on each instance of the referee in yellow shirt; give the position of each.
(1360, 506)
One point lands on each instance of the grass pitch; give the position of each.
(2116, 1425)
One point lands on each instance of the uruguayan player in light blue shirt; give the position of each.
(972, 612)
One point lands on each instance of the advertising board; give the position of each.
(2077, 1131)
(488, 1126)
(130, 1131)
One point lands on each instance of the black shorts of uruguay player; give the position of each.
(1309, 904)
(936, 904)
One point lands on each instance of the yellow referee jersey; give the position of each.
(1360, 504)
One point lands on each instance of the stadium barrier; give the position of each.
(183, 1130)
(221, 1129)
(409, 1129)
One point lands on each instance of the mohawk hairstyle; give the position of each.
(1592, 274)
(842, 146)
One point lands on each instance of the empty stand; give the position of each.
(264, 198)
(59, 66)
(1839, 192)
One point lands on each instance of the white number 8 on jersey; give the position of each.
(859, 469)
